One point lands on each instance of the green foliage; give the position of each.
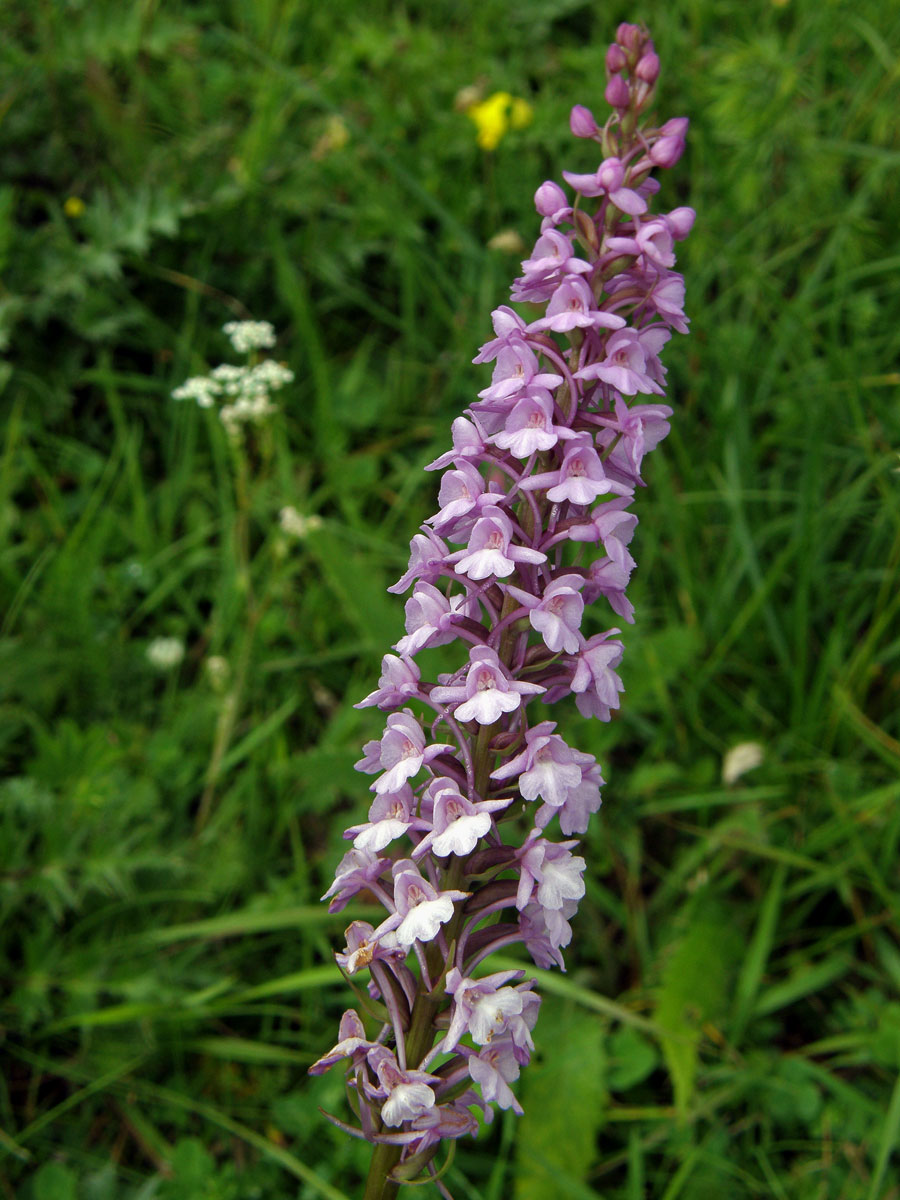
(693, 991)
(730, 1022)
(564, 1093)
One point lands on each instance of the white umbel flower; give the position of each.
(250, 335)
(202, 388)
(165, 653)
(295, 524)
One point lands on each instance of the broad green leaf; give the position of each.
(54, 1182)
(564, 1093)
(376, 617)
(693, 990)
(631, 1059)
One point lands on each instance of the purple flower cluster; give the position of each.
(460, 845)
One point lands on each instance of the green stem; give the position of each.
(426, 1009)
(228, 715)
(231, 705)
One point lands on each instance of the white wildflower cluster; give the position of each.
(165, 653)
(201, 388)
(250, 335)
(295, 524)
(246, 390)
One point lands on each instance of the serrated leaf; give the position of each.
(694, 990)
(564, 1095)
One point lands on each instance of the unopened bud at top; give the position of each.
(647, 69)
(617, 92)
(616, 60)
(681, 222)
(667, 149)
(550, 199)
(582, 123)
(629, 36)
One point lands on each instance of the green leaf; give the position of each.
(54, 1182)
(693, 991)
(564, 1096)
(374, 615)
(758, 954)
(192, 1170)
(631, 1059)
(890, 1135)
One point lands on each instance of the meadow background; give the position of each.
(730, 1022)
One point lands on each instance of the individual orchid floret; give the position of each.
(551, 261)
(400, 753)
(661, 292)
(462, 492)
(580, 802)
(552, 204)
(546, 932)
(458, 824)
(556, 615)
(529, 428)
(426, 560)
(668, 146)
(582, 123)
(609, 523)
(357, 870)
(616, 59)
(507, 325)
(517, 367)
(364, 947)
(407, 1094)
(580, 479)
(421, 908)
(491, 550)
(445, 1121)
(494, 1068)
(609, 577)
(390, 817)
(595, 682)
(572, 306)
(520, 1025)
(400, 678)
(608, 180)
(468, 443)
(550, 873)
(430, 617)
(488, 690)
(482, 1007)
(632, 433)
(545, 768)
(353, 1044)
(624, 367)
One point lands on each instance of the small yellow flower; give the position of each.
(494, 116)
(74, 206)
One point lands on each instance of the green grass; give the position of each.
(732, 1006)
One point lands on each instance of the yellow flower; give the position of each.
(494, 116)
(74, 206)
